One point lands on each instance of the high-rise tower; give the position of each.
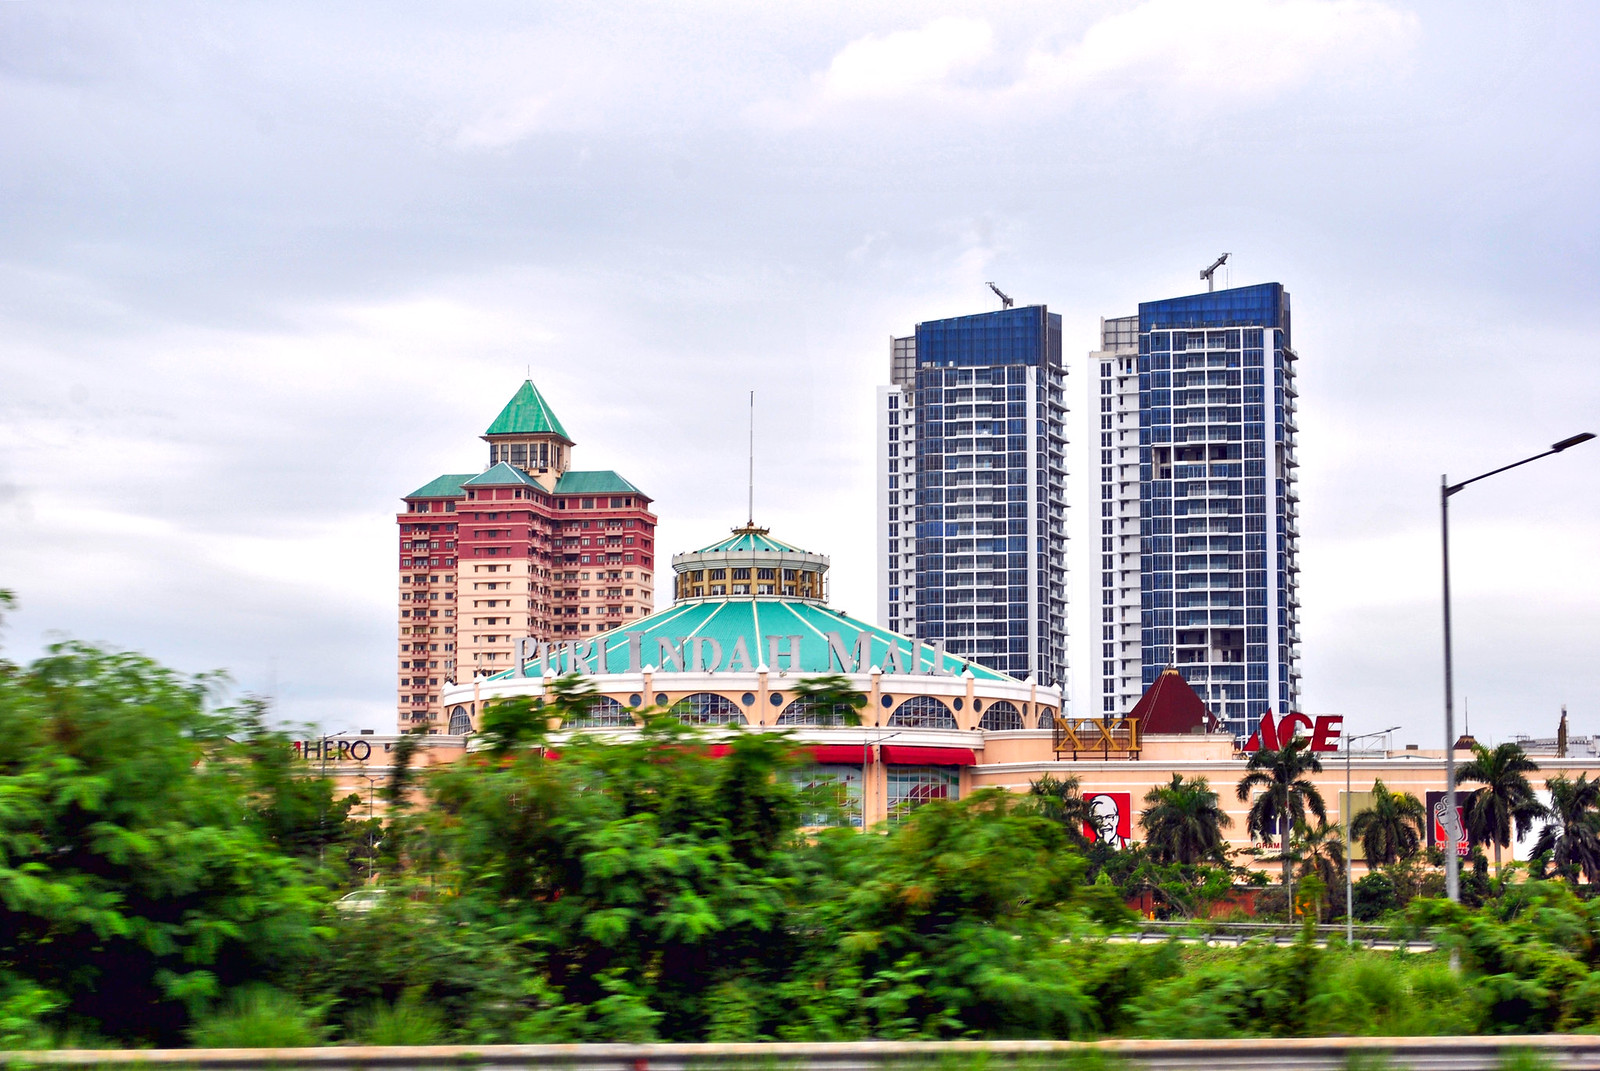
(525, 548)
(1198, 502)
(972, 490)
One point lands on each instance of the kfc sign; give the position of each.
(1325, 730)
(1110, 818)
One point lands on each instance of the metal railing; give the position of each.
(1297, 1054)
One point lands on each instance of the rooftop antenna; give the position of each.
(752, 485)
(1005, 299)
(1207, 273)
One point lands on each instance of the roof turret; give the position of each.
(527, 413)
(751, 564)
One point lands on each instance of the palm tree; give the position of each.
(1287, 794)
(1183, 823)
(1059, 799)
(1570, 834)
(1392, 828)
(1322, 852)
(1506, 800)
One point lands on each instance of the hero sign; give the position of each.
(1272, 735)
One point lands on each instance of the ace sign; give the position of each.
(1274, 734)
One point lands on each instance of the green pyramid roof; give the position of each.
(443, 487)
(601, 482)
(501, 475)
(527, 413)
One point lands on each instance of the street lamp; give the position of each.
(867, 744)
(1349, 885)
(1452, 867)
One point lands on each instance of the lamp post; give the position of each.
(1349, 884)
(1452, 866)
(372, 846)
(866, 761)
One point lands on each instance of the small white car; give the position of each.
(362, 899)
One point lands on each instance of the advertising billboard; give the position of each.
(1439, 820)
(1110, 818)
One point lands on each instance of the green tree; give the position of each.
(1060, 799)
(1321, 852)
(830, 700)
(135, 880)
(1571, 833)
(1391, 828)
(643, 874)
(1287, 795)
(1506, 802)
(1183, 823)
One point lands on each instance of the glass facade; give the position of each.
(1218, 516)
(912, 786)
(972, 490)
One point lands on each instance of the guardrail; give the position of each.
(1255, 1054)
(1278, 932)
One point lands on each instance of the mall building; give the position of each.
(751, 621)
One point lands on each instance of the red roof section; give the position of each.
(1171, 706)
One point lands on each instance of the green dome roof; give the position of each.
(751, 538)
(742, 634)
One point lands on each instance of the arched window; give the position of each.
(460, 721)
(1000, 716)
(810, 712)
(707, 708)
(923, 712)
(1047, 717)
(603, 713)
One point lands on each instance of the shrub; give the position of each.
(258, 1017)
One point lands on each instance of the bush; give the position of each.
(258, 1017)
(405, 1022)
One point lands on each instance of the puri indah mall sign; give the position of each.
(1272, 735)
(706, 654)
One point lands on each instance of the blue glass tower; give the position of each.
(1217, 500)
(972, 500)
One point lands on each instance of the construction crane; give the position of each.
(1207, 273)
(1005, 299)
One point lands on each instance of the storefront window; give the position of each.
(912, 786)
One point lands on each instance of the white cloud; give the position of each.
(505, 124)
(1202, 52)
(1224, 48)
(909, 61)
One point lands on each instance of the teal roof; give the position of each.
(604, 482)
(730, 621)
(751, 539)
(502, 474)
(442, 487)
(527, 413)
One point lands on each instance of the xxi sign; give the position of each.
(1324, 729)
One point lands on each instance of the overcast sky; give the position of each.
(266, 268)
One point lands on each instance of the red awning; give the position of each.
(836, 753)
(903, 755)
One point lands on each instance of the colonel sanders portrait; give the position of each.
(1106, 820)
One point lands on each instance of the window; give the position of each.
(923, 712)
(603, 713)
(460, 721)
(1001, 716)
(830, 795)
(809, 712)
(912, 786)
(707, 708)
